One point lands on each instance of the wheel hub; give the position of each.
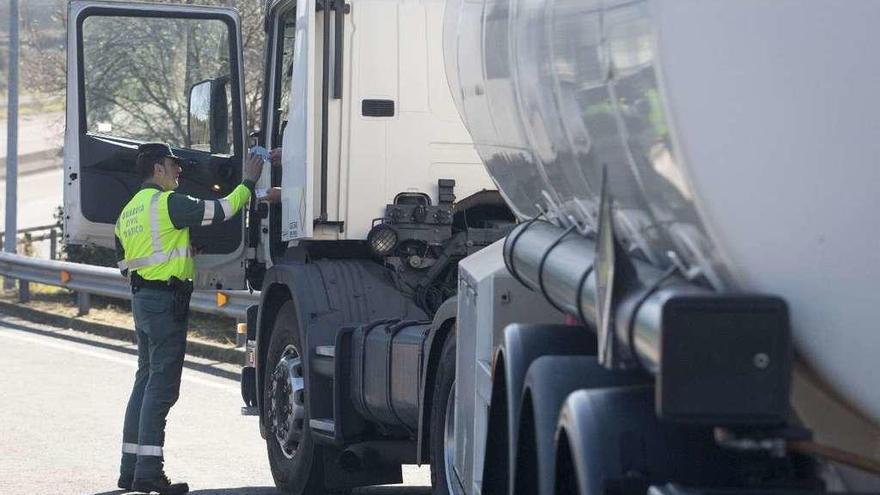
(287, 405)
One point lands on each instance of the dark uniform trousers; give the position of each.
(161, 348)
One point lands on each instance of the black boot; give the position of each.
(125, 481)
(161, 485)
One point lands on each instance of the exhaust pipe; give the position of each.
(371, 455)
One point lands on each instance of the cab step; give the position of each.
(323, 424)
(323, 429)
(326, 351)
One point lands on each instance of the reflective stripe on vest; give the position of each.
(156, 258)
(208, 217)
(226, 206)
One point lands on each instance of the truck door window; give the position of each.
(284, 72)
(138, 73)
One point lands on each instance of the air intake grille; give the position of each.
(377, 108)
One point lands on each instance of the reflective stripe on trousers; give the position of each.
(133, 448)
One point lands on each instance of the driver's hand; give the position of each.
(273, 195)
(253, 168)
(275, 157)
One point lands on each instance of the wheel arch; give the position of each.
(326, 294)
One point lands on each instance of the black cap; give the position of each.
(157, 150)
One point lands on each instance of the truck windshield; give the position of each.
(138, 72)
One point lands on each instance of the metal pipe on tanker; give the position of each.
(567, 271)
(540, 254)
(639, 321)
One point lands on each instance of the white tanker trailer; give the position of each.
(697, 183)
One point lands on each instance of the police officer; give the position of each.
(153, 249)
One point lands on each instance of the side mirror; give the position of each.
(208, 125)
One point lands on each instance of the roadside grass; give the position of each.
(33, 104)
(116, 312)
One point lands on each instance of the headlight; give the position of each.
(382, 240)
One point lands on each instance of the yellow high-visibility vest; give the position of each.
(154, 248)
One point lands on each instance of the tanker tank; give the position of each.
(739, 141)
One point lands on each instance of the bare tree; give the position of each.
(152, 55)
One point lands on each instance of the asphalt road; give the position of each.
(36, 132)
(62, 397)
(39, 195)
(40, 174)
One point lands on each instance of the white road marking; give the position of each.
(79, 349)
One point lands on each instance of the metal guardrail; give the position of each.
(106, 281)
(39, 228)
(51, 233)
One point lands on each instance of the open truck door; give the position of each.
(146, 72)
(293, 75)
(299, 136)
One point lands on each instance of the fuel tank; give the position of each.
(738, 141)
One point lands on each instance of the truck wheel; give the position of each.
(295, 460)
(610, 440)
(522, 345)
(548, 382)
(442, 423)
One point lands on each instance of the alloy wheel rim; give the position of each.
(287, 404)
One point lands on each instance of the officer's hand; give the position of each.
(253, 168)
(275, 156)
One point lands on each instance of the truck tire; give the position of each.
(522, 345)
(610, 440)
(443, 477)
(548, 382)
(294, 458)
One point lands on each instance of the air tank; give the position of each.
(740, 142)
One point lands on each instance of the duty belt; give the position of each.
(181, 291)
(138, 283)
